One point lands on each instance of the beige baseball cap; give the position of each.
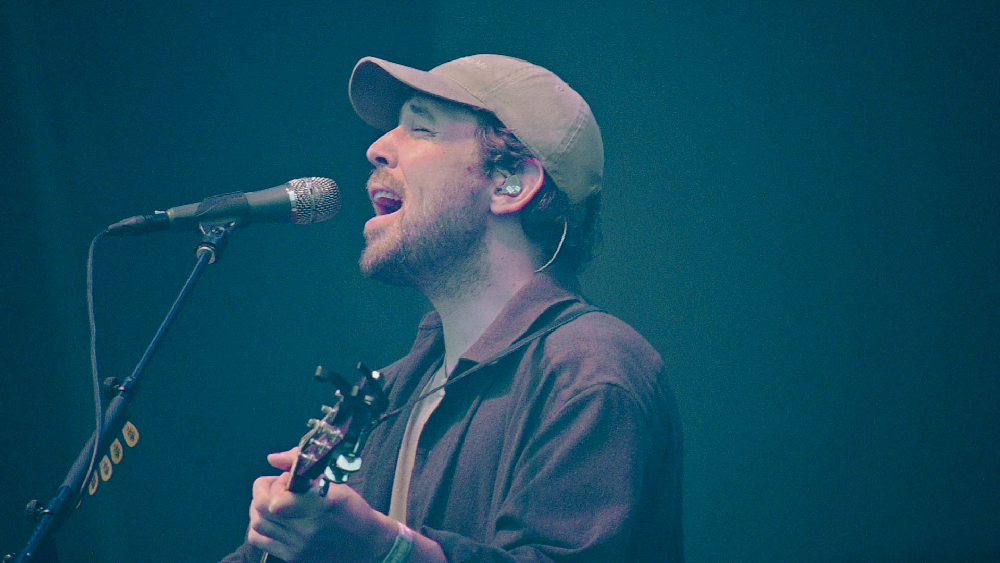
(545, 114)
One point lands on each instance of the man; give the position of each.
(530, 427)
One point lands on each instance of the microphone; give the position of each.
(302, 201)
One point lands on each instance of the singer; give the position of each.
(566, 447)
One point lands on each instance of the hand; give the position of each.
(309, 528)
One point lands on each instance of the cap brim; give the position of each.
(379, 88)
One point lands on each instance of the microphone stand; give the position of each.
(55, 513)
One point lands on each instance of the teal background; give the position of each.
(801, 214)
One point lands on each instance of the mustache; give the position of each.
(383, 177)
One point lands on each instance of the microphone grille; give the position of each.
(316, 199)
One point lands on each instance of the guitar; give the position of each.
(330, 451)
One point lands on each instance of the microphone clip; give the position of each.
(216, 235)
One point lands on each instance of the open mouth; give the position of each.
(385, 202)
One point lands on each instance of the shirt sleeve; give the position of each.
(245, 554)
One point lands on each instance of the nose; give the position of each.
(382, 153)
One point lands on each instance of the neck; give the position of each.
(470, 303)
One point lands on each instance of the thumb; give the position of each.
(283, 460)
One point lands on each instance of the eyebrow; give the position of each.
(422, 111)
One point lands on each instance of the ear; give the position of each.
(532, 176)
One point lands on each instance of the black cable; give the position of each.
(98, 406)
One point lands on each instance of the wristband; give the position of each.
(401, 548)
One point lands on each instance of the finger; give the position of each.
(288, 505)
(270, 536)
(263, 486)
(266, 527)
(283, 460)
(265, 489)
(312, 503)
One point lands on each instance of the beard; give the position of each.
(438, 252)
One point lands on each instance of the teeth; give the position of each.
(386, 202)
(383, 194)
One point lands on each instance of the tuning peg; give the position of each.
(321, 374)
(326, 376)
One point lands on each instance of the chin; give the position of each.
(389, 268)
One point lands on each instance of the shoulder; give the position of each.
(601, 340)
(598, 355)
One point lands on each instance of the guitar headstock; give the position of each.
(335, 441)
(317, 445)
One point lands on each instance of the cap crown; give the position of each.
(542, 111)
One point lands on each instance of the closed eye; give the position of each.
(423, 131)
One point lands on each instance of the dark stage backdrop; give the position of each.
(801, 215)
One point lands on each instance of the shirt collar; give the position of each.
(518, 317)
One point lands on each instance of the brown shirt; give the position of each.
(568, 449)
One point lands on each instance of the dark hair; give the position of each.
(544, 216)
